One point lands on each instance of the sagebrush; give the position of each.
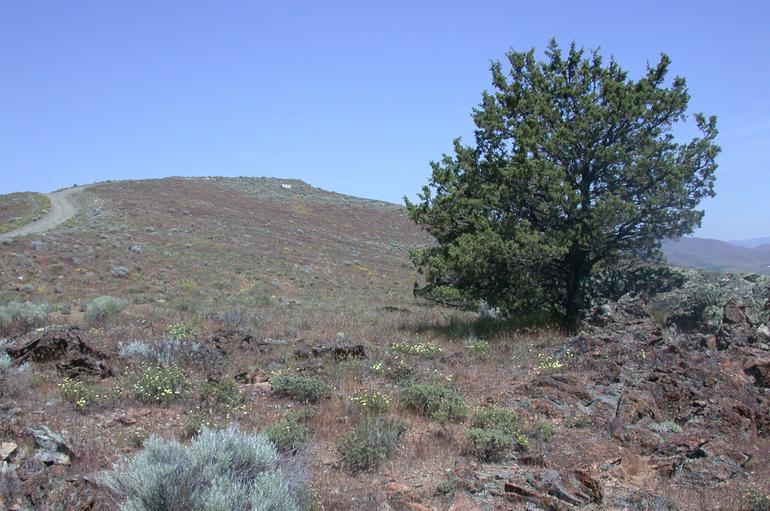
(220, 470)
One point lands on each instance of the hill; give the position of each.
(752, 243)
(167, 306)
(717, 255)
(17, 209)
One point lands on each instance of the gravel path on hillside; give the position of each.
(62, 209)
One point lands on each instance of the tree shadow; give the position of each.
(483, 327)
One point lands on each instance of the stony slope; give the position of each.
(661, 401)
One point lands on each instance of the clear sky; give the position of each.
(355, 97)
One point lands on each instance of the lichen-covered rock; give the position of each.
(52, 448)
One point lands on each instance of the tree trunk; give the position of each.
(579, 270)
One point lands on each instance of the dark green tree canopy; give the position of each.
(575, 166)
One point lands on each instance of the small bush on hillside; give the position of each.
(423, 349)
(237, 317)
(665, 427)
(220, 470)
(489, 445)
(494, 417)
(104, 307)
(23, 314)
(371, 402)
(182, 331)
(300, 388)
(494, 432)
(369, 443)
(755, 499)
(196, 422)
(85, 393)
(158, 384)
(435, 401)
(119, 272)
(223, 396)
(478, 347)
(542, 430)
(134, 349)
(5, 360)
(290, 434)
(162, 352)
(394, 369)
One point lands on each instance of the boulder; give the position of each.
(65, 344)
(52, 448)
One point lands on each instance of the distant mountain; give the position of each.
(752, 243)
(718, 255)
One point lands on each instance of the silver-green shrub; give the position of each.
(25, 314)
(104, 307)
(221, 470)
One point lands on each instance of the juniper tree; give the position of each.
(574, 166)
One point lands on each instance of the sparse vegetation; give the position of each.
(223, 396)
(21, 208)
(300, 388)
(291, 433)
(756, 499)
(182, 331)
(435, 401)
(104, 307)
(157, 384)
(666, 427)
(372, 441)
(494, 431)
(85, 394)
(394, 369)
(23, 314)
(463, 362)
(542, 430)
(371, 402)
(220, 469)
(422, 349)
(196, 422)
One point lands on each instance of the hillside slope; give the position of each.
(166, 306)
(717, 255)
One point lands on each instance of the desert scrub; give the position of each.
(5, 359)
(224, 397)
(494, 431)
(135, 437)
(495, 417)
(665, 427)
(371, 402)
(291, 433)
(372, 441)
(755, 499)
(155, 384)
(85, 393)
(423, 349)
(547, 364)
(300, 388)
(220, 470)
(104, 307)
(182, 331)
(435, 401)
(542, 430)
(488, 445)
(23, 314)
(395, 369)
(194, 423)
(478, 347)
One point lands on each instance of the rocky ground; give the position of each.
(660, 401)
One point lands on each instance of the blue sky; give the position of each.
(355, 97)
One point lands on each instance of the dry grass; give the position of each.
(310, 267)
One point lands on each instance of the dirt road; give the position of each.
(62, 209)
